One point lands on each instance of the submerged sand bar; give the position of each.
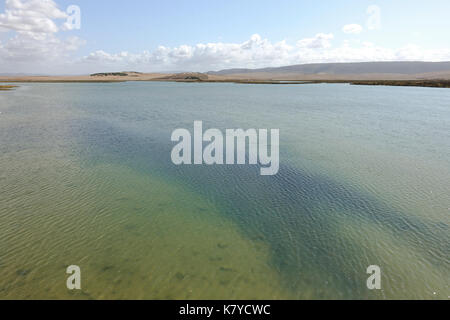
(5, 88)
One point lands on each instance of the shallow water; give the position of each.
(86, 179)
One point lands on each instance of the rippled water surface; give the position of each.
(86, 179)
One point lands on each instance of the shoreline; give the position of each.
(436, 83)
(398, 83)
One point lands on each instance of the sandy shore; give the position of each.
(441, 80)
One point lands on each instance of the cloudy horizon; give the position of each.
(60, 37)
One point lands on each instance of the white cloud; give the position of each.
(256, 53)
(320, 41)
(31, 16)
(37, 47)
(352, 29)
(34, 39)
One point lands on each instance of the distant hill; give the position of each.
(403, 67)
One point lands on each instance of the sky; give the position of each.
(87, 36)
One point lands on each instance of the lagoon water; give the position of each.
(86, 179)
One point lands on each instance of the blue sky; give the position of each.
(140, 24)
(119, 34)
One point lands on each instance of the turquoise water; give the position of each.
(87, 179)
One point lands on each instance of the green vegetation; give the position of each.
(406, 83)
(106, 74)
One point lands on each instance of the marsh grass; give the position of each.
(5, 88)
